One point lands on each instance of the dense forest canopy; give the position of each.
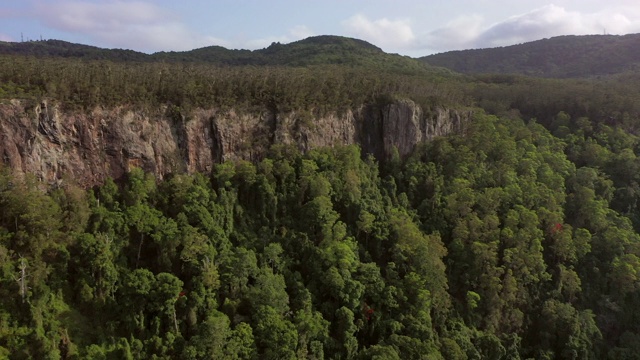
(77, 83)
(517, 239)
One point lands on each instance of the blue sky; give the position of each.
(409, 27)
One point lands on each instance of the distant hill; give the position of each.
(558, 57)
(317, 50)
(59, 48)
(311, 51)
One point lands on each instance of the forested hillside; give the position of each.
(516, 238)
(558, 57)
(311, 51)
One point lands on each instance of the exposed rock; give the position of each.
(89, 146)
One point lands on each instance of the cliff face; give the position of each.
(89, 146)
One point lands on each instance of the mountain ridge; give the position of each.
(316, 50)
(569, 56)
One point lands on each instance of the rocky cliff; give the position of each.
(89, 146)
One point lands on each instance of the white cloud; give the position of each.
(127, 24)
(456, 33)
(4, 37)
(300, 32)
(394, 34)
(141, 25)
(145, 25)
(544, 22)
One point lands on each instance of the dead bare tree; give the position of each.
(22, 279)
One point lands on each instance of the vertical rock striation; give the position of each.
(89, 146)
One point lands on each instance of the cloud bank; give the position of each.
(544, 22)
(140, 25)
(126, 24)
(382, 32)
(473, 31)
(144, 25)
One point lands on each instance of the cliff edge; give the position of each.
(89, 146)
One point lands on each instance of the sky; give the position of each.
(408, 27)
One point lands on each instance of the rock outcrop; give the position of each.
(89, 146)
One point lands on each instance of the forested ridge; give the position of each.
(558, 57)
(314, 50)
(516, 239)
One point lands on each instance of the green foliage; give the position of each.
(509, 241)
(317, 74)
